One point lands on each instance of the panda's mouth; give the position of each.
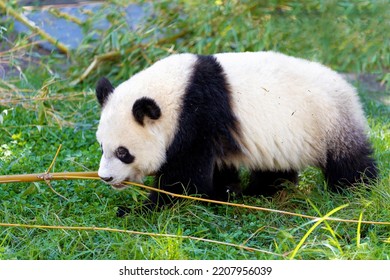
(114, 183)
(119, 186)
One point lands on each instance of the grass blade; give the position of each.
(320, 220)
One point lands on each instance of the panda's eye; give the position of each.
(123, 154)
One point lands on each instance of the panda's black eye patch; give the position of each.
(124, 155)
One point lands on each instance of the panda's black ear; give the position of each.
(146, 106)
(103, 89)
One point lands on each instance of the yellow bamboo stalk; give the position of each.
(94, 176)
(68, 17)
(25, 178)
(257, 207)
(31, 25)
(115, 55)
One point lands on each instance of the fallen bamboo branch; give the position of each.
(94, 176)
(57, 13)
(26, 178)
(48, 170)
(115, 55)
(98, 59)
(31, 25)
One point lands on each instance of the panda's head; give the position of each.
(139, 119)
(129, 133)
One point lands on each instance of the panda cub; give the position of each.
(194, 120)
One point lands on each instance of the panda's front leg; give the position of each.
(188, 173)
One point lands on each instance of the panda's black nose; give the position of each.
(107, 179)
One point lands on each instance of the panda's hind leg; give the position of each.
(348, 167)
(267, 183)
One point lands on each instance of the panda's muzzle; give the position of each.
(107, 179)
(115, 186)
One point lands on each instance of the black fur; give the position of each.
(226, 180)
(354, 166)
(146, 106)
(205, 132)
(267, 183)
(124, 155)
(103, 89)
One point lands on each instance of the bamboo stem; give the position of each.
(114, 55)
(94, 176)
(57, 13)
(31, 25)
(25, 178)
(96, 61)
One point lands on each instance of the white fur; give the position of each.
(163, 82)
(290, 111)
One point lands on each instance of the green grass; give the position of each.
(39, 111)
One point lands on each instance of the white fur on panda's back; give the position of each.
(290, 110)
